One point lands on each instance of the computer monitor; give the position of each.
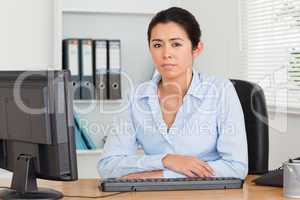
(36, 131)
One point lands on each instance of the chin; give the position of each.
(169, 74)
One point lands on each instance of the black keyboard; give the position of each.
(159, 184)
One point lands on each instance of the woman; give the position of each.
(188, 123)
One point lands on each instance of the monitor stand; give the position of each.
(24, 184)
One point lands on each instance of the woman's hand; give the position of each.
(143, 175)
(190, 166)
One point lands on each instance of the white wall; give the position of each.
(29, 36)
(219, 21)
(284, 137)
(219, 24)
(117, 6)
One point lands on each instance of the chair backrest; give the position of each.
(253, 102)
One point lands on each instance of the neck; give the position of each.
(178, 85)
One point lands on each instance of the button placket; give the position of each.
(157, 117)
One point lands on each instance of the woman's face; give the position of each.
(171, 50)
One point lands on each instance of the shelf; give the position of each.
(99, 151)
(89, 152)
(93, 101)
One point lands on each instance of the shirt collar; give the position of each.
(149, 89)
(195, 86)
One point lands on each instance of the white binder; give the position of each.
(86, 58)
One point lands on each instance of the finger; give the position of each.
(207, 167)
(196, 170)
(203, 171)
(128, 177)
(138, 177)
(125, 177)
(189, 173)
(131, 176)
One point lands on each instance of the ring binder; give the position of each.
(87, 71)
(71, 62)
(101, 69)
(114, 78)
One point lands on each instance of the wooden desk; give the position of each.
(90, 188)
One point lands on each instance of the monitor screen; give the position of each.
(36, 128)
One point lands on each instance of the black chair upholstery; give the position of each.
(254, 107)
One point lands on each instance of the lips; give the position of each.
(168, 66)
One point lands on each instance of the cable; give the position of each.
(95, 197)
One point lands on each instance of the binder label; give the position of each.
(73, 57)
(87, 62)
(101, 57)
(114, 54)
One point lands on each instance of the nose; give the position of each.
(167, 52)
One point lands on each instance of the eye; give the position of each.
(156, 45)
(176, 44)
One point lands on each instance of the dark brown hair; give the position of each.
(183, 18)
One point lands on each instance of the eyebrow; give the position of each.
(172, 39)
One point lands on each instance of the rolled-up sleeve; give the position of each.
(120, 155)
(232, 140)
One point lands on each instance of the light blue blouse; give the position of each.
(209, 125)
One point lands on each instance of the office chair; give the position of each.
(253, 103)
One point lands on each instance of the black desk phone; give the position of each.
(272, 178)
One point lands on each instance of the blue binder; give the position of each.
(80, 144)
(83, 140)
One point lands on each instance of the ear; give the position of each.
(198, 49)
